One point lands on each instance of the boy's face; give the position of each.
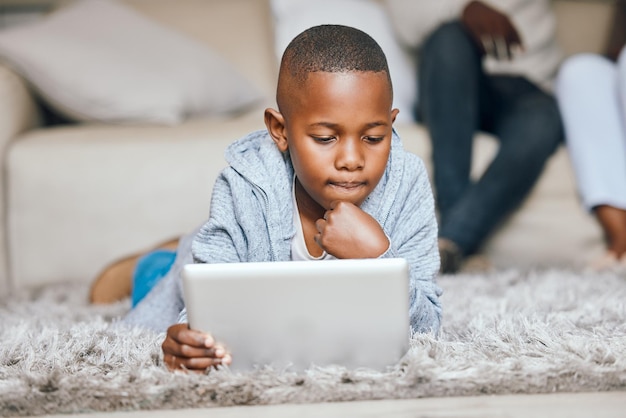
(337, 128)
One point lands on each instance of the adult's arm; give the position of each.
(414, 20)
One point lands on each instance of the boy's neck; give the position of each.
(307, 207)
(309, 211)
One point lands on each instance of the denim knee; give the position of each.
(541, 128)
(449, 66)
(449, 46)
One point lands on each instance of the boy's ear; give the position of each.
(394, 114)
(275, 123)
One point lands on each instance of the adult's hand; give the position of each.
(188, 349)
(492, 31)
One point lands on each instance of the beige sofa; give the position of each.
(77, 197)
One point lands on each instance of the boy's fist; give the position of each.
(346, 231)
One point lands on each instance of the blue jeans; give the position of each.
(456, 99)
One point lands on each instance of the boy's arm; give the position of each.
(220, 239)
(213, 242)
(414, 238)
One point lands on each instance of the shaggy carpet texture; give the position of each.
(503, 332)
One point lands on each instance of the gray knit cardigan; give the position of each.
(251, 219)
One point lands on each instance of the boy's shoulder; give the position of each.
(250, 142)
(255, 158)
(257, 147)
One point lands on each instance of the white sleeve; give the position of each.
(413, 20)
(182, 316)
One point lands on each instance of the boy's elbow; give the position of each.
(426, 321)
(431, 327)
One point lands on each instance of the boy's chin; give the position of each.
(354, 201)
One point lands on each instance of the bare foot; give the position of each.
(613, 222)
(115, 282)
(608, 261)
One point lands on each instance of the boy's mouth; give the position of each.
(347, 185)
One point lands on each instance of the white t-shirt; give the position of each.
(299, 252)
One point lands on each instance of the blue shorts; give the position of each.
(150, 268)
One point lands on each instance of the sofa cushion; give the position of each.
(101, 60)
(241, 31)
(82, 196)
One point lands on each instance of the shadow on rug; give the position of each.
(504, 332)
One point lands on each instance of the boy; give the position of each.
(328, 179)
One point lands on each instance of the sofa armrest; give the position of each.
(18, 113)
(18, 109)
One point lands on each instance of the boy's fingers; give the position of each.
(195, 364)
(186, 351)
(171, 346)
(184, 335)
(184, 348)
(320, 224)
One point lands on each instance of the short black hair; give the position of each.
(334, 49)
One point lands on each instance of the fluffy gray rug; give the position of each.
(504, 332)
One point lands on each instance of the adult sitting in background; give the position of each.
(591, 91)
(480, 68)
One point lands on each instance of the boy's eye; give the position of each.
(323, 139)
(374, 139)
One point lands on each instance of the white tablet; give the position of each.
(353, 313)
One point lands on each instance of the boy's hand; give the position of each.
(492, 31)
(346, 231)
(184, 348)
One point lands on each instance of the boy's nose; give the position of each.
(350, 155)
